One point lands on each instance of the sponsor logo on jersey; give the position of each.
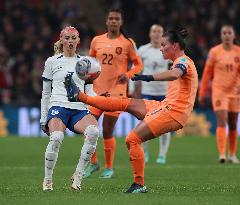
(54, 112)
(118, 50)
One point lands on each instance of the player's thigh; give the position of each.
(83, 123)
(109, 122)
(56, 124)
(140, 107)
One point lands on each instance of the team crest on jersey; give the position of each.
(236, 59)
(118, 50)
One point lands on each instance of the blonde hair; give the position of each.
(58, 48)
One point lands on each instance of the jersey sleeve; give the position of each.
(92, 50)
(182, 64)
(207, 73)
(47, 73)
(136, 60)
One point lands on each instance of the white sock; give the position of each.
(51, 154)
(91, 136)
(145, 147)
(164, 142)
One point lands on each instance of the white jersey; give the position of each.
(153, 62)
(56, 69)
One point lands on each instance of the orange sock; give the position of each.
(106, 103)
(221, 140)
(94, 158)
(136, 153)
(232, 142)
(109, 151)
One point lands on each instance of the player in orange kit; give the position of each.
(157, 117)
(113, 50)
(223, 65)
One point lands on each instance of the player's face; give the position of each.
(156, 33)
(167, 48)
(114, 21)
(70, 40)
(227, 35)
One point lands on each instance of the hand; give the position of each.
(72, 89)
(122, 79)
(45, 129)
(146, 78)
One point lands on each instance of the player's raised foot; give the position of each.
(71, 88)
(47, 185)
(161, 160)
(233, 159)
(90, 169)
(222, 159)
(76, 181)
(136, 189)
(107, 174)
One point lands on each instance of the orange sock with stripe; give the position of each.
(109, 151)
(105, 103)
(94, 158)
(232, 142)
(221, 140)
(136, 153)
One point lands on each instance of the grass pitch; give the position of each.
(191, 176)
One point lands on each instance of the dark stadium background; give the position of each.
(28, 29)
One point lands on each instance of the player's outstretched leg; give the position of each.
(91, 134)
(51, 156)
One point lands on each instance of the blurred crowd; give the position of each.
(28, 30)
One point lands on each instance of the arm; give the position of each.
(46, 93)
(207, 76)
(136, 60)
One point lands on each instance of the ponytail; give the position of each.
(58, 48)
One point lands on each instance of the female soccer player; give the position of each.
(113, 50)
(57, 113)
(154, 62)
(157, 117)
(223, 64)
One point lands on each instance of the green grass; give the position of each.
(191, 176)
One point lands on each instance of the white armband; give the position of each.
(46, 94)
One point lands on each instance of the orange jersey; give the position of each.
(182, 92)
(223, 66)
(113, 55)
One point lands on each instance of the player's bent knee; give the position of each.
(91, 133)
(56, 139)
(132, 138)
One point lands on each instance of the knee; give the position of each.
(132, 139)
(56, 139)
(91, 134)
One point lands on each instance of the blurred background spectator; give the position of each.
(28, 29)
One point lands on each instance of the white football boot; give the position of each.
(47, 185)
(233, 159)
(76, 181)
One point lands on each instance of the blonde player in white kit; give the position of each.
(57, 113)
(154, 63)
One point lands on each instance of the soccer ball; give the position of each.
(88, 68)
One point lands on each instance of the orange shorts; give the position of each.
(230, 104)
(158, 118)
(97, 112)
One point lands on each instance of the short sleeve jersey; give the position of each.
(113, 55)
(226, 70)
(182, 92)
